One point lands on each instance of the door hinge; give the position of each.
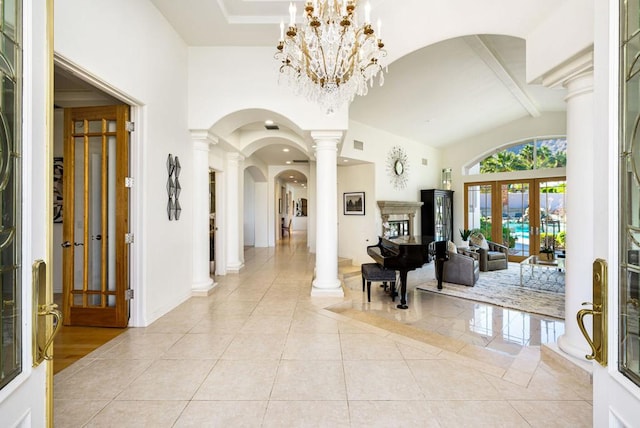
(130, 126)
(128, 294)
(128, 238)
(128, 182)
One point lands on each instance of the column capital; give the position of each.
(234, 157)
(201, 146)
(575, 68)
(334, 136)
(203, 136)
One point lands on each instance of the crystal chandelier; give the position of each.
(331, 58)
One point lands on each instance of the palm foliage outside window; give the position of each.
(532, 154)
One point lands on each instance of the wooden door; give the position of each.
(96, 216)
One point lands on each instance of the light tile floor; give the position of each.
(259, 352)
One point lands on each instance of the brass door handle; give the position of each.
(45, 310)
(41, 310)
(580, 316)
(599, 342)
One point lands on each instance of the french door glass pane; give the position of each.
(515, 218)
(10, 191)
(553, 217)
(479, 208)
(629, 227)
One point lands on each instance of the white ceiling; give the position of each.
(438, 95)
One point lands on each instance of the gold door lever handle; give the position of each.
(599, 342)
(580, 316)
(45, 310)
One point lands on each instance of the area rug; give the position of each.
(502, 288)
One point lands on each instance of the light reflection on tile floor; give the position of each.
(259, 352)
(492, 327)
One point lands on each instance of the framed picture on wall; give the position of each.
(353, 203)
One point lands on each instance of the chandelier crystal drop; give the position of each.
(331, 57)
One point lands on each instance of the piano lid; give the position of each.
(407, 240)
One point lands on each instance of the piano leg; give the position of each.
(403, 290)
(440, 271)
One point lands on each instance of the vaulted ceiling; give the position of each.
(438, 95)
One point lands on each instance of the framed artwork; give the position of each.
(353, 203)
(57, 189)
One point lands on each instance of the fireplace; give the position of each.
(398, 216)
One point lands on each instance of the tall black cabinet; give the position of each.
(437, 215)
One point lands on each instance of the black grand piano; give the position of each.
(403, 254)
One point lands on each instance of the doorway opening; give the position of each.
(86, 250)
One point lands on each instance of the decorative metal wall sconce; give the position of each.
(173, 187)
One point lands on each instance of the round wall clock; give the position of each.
(398, 167)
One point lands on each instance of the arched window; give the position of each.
(527, 155)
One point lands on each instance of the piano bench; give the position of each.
(374, 272)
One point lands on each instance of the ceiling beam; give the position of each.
(491, 58)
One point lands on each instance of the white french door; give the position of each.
(616, 382)
(26, 65)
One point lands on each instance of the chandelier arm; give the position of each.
(307, 60)
(324, 60)
(341, 62)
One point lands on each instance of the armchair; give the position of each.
(492, 256)
(461, 269)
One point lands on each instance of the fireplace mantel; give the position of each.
(406, 208)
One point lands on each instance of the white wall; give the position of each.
(565, 33)
(130, 46)
(261, 218)
(247, 78)
(356, 232)
(249, 209)
(377, 145)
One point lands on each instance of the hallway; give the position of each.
(260, 352)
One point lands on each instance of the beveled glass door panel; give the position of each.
(10, 196)
(629, 274)
(96, 257)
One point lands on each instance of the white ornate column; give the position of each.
(202, 282)
(326, 282)
(577, 78)
(234, 212)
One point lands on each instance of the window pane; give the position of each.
(551, 153)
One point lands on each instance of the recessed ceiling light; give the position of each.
(285, 150)
(291, 176)
(288, 162)
(345, 160)
(295, 181)
(270, 125)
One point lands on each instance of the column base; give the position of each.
(574, 350)
(327, 288)
(203, 289)
(580, 369)
(235, 267)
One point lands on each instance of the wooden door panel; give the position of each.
(95, 219)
